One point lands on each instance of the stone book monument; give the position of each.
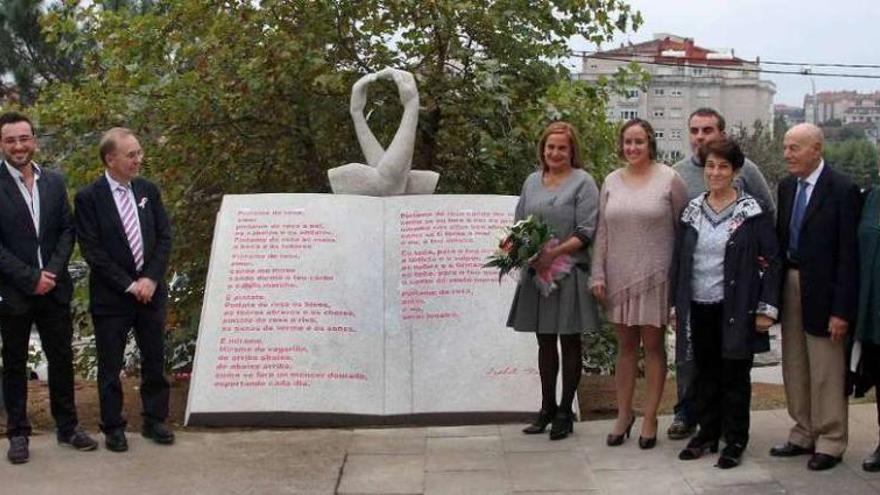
(348, 309)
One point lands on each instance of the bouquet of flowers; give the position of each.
(521, 246)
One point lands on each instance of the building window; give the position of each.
(629, 114)
(632, 94)
(675, 134)
(696, 71)
(659, 133)
(675, 93)
(660, 92)
(659, 113)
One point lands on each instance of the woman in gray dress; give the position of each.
(564, 196)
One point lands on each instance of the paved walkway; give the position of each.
(492, 459)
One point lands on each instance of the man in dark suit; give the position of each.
(36, 240)
(818, 215)
(125, 238)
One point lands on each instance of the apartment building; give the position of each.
(684, 77)
(847, 107)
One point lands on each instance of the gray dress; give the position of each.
(571, 209)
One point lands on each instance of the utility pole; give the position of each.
(808, 71)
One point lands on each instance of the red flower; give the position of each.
(507, 244)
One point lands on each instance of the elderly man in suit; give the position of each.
(36, 240)
(818, 215)
(125, 238)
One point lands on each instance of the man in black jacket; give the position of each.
(818, 216)
(36, 240)
(125, 238)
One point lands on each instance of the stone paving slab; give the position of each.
(387, 443)
(464, 461)
(646, 482)
(257, 462)
(485, 460)
(513, 440)
(385, 473)
(467, 483)
(545, 471)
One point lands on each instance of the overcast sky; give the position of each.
(817, 31)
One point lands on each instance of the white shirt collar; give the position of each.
(115, 185)
(17, 175)
(814, 177)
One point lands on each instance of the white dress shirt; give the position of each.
(31, 198)
(812, 179)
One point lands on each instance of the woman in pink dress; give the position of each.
(639, 206)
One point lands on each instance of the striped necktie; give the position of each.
(131, 226)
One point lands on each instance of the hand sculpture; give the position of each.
(387, 172)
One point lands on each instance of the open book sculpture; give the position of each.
(335, 309)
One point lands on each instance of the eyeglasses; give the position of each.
(131, 155)
(11, 141)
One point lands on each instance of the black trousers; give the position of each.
(54, 325)
(111, 335)
(722, 387)
(871, 364)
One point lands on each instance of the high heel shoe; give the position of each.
(563, 424)
(613, 440)
(544, 418)
(646, 443)
(696, 448)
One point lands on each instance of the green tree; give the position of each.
(33, 57)
(252, 97)
(27, 58)
(851, 131)
(855, 157)
(764, 147)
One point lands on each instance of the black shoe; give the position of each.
(821, 462)
(115, 440)
(158, 433)
(613, 440)
(646, 443)
(79, 439)
(872, 463)
(563, 424)
(544, 418)
(789, 449)
(18, 452)
(680, 429)
(697, 447)
(731, 456)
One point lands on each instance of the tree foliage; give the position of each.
(240, 97)
(28, 59)
(32, 56)
(764, 147)
(855, 157)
